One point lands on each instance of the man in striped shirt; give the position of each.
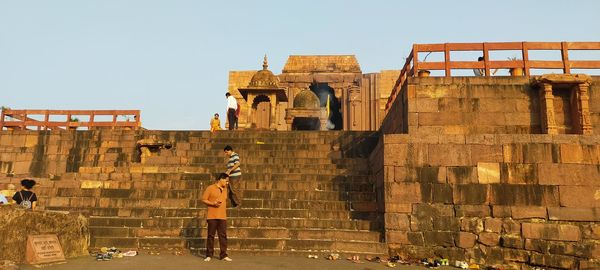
(235, 175)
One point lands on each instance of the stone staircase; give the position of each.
(304, 192)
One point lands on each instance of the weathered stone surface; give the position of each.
(471, 194)
(465, 240)
(580, 196)
(472, 210)
(462, 175)
(435, 238)
(488, 173)
(398, 222)
(568, 174)
(493, 225)
(512, 242)
(574, 214)
(556, 261)
(489, 239)
(525, 212)
(561, 232)
(72, 231)
(473, 225)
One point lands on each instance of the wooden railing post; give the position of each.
(114, 122)
(526, 59)
(486, 59)
(1, 119)
(46, 119)
(415, 59)
(565, 57)
(447, 60)
(91, 123)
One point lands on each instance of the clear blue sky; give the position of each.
(171, 58)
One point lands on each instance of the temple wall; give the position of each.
(467, 179)
(492, 199)
(475, 105)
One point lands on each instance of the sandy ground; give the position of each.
(246, 262)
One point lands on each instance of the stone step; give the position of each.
(240, 232)
(192, 222)
(246, 203)
(146, 189)
(234, 244)
(139, 211)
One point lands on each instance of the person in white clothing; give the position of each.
(231, 108)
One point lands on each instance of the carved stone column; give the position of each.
(584, 108)
(273, 118)
(547, 110)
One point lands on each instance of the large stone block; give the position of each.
(569, 174)
(574, 214)
(571, 153)
(465, 240)
(471, 194)
(462, 175)
(488, 173)
(449, 155)
(399, 222)
(486, 153)
(580, 196)
(493, 225)
(526, 212)
(432, 210)
(489, 239)
(403, 192)
(562, 262)
(445, 239)
(472, 210)
(533, 195)
(397, 237)
(514, 173)
(436, 193)
(560, 232)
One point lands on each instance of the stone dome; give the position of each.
(306, 99)
(264, 78)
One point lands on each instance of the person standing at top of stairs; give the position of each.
(235, 176)
(231, 110)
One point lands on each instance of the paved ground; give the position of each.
(246, 262)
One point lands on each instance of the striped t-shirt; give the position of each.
(234, 159)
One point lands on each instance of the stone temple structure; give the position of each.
(298, 98)
(494, 170)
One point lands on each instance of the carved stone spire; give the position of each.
(265, 64)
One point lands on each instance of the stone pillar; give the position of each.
(547, 109)
(250, 111)
(584, 108)
(273, 118)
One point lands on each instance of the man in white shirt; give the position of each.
(231, 108)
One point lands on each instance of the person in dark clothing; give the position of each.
(25, 197)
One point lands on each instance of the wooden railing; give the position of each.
(26, 119)
(413, 65)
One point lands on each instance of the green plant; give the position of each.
(514, 58)
(74, 119)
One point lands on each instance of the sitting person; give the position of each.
(215, 123)
(25, 197)
(7, 193)
(481, 71)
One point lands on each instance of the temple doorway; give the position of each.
(262, 112)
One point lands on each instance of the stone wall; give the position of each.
(493, 199)
(15, 225)
(474, 105)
